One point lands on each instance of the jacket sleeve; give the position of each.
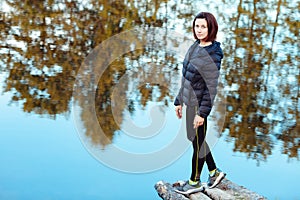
(210, 73)
(178, 100)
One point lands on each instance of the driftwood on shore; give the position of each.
(226, 190)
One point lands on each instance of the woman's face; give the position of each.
(201, 28)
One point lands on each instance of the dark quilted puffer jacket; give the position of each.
(200, 74)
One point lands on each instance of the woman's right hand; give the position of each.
(178, 110)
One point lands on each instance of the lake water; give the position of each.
(87, 91)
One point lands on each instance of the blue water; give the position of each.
(43, 158)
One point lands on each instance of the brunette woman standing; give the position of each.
(198, 89)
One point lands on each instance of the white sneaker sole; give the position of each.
(218, 180)
(191, 191)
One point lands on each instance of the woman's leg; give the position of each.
(192, 136)
(201, 151)
(216, 175)
(197, 163)
(205, 150)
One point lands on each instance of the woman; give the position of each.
(198, 89)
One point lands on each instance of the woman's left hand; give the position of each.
(198, 121)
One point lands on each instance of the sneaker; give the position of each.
(214, 180)
(188, 188)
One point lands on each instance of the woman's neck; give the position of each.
(204, 44)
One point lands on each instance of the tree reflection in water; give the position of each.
(43, 44)
(263, 73)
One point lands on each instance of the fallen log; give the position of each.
(226, 190)
(167, 191)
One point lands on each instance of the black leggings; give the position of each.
(201, 151)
